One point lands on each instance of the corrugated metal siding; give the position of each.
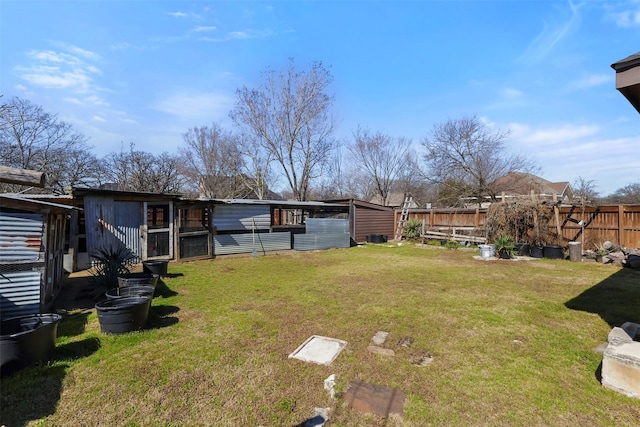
(241, 217)
(21, 236)
(308, 242)
(226, 244)
(22, 259)
(327, 226)
(373, 221)
(108, 221)
(20, 293)
(323, 233)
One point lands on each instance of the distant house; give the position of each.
(628, 78)
(519, 184)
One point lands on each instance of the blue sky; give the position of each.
(147, 71)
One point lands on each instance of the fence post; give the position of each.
(621, 235)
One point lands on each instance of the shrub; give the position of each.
(111, 261)
(412, 228)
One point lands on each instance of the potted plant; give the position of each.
(504, 246)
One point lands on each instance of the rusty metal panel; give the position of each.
(225, 244)
(21, 236)
(241, 217)
(22, 258)
(109, 222)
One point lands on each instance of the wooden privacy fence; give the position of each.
(617, 223)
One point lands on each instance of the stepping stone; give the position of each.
(381, 351)
(375, 399)
(380, 337)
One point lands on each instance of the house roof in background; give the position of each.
(521, 183)
(627, 63)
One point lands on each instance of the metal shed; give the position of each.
(143, 222)
(368, 218)
(249, 225)
(32, 236)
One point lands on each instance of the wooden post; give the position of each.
(621, 235)
(556, 213)
(22, 176)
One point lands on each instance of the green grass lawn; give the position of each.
(512, 344)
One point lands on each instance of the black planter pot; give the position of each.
(131, 291)
(138, 279)
(504, 254)
(122, 315)
(376, 238)
(155, 266)
(27, 339)
(536, 251)
(553, 252)
(522, 249)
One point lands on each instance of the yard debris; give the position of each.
(329, 383)
(379, 338)
(423, 359)
(405, 341)
(381, 351)
(375, 399)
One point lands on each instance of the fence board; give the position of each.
(617, 223)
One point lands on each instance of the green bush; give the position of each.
(412, 228)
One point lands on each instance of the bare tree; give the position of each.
(31, 138)
(584, 191)
(629, 194)
(142, 171)
(382, 158)
(213, 162)
(467, 152)
(289, 116)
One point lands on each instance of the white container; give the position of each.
(487, 251)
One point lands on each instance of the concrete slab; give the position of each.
(381, 351)
(375, 399)
(319, 349)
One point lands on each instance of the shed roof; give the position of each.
(14, 201)
(277, 203)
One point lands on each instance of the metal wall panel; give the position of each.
(323, 233)
(20, 293)
(22, 263)
(309, 242)
(241, 217)
(225, 244)
(108, 222)
(373, 221)
(21, 236)
(327, 226)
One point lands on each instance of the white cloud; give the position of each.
(203, 29)
(550, 36)
(550, 137)
(627, 18)
(240, 35)
(73, 69)
(591, 80)
(177, 14)
(511, 93)
(99, 119)
(196, 109)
